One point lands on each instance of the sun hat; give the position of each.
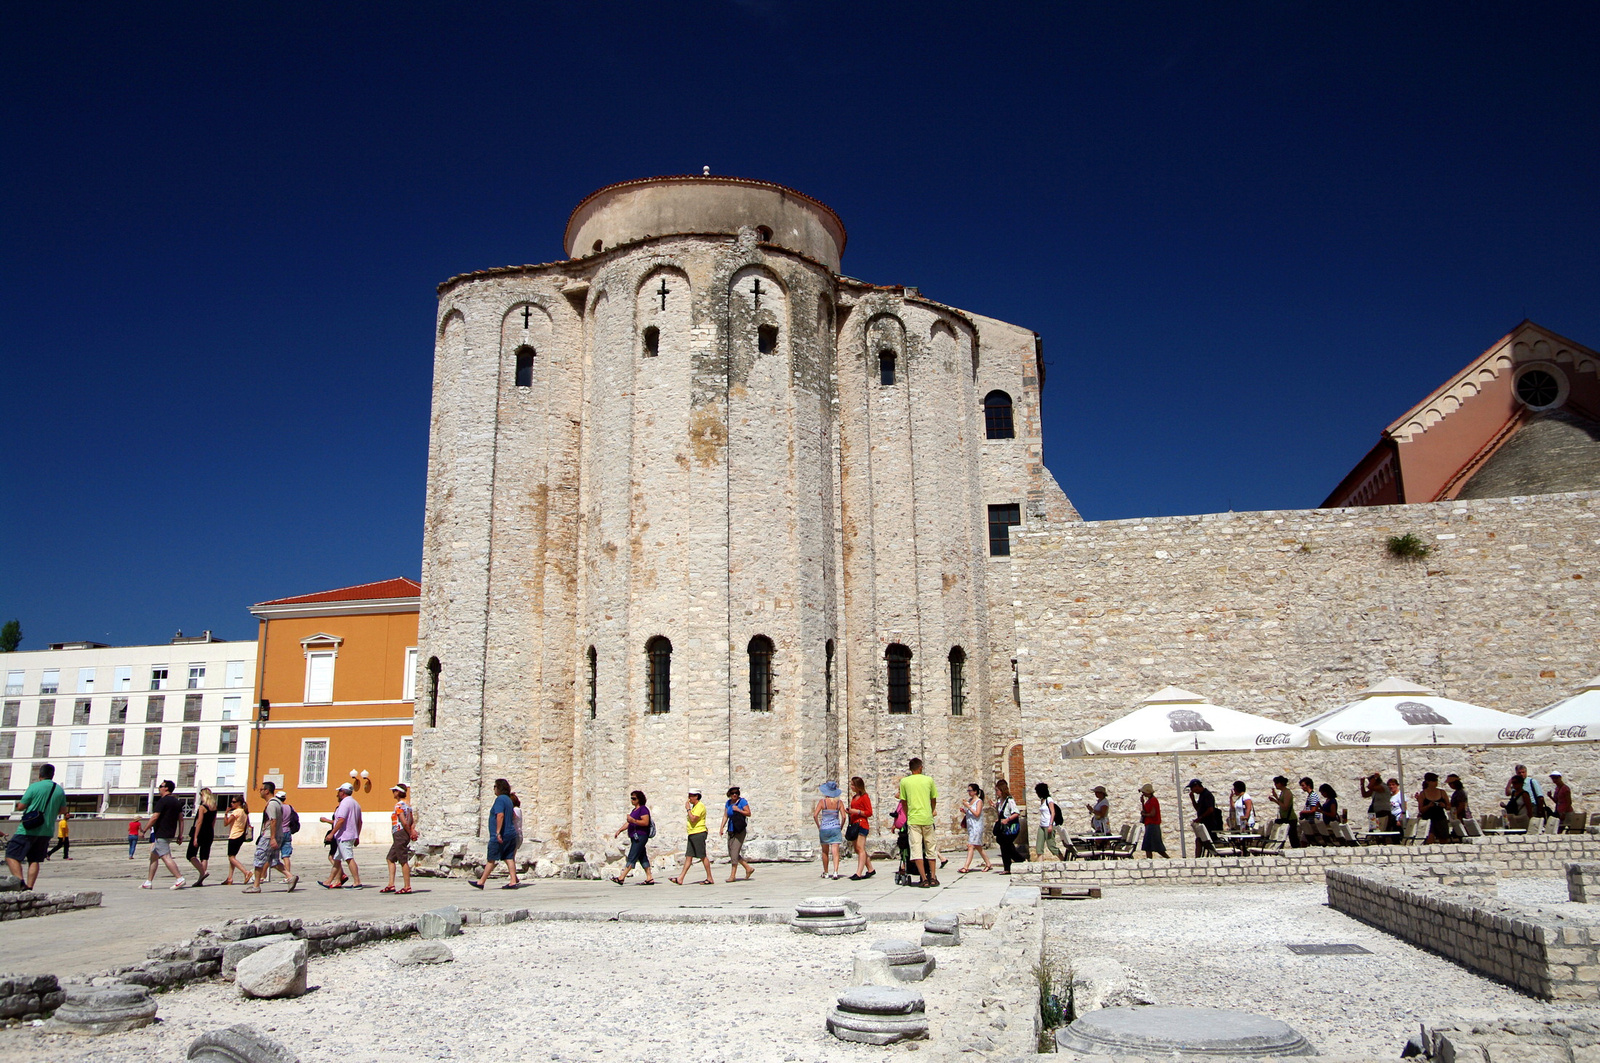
(400, 788)
(829, 789)
(1101, 790)
(695, 790)
(1147, 789)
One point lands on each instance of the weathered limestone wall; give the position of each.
(1290, 613)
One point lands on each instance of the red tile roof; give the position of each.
(364, 592)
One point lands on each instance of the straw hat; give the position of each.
(1147, 790)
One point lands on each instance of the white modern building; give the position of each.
(116, 720)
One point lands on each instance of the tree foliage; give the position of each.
(10, 636)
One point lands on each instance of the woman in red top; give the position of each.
(856, 832)
(1150, 816)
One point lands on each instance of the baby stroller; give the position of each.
(908, 874)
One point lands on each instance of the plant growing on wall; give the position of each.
(1407, 547)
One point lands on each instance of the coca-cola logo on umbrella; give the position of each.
(1122, 745)
(1418, 715)
(1355, 737)
(1577, 730)
(1280, 739)
(1515, 734)
(1187, 720)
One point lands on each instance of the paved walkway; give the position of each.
(131, 920)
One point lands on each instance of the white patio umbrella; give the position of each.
(1177, 721)
(1396, 714)
(1575, 719)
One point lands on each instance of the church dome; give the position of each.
(665, 206)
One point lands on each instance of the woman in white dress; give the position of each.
(972, 819)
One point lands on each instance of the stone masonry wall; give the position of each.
(26, 904)
(1290, 613)
(1539, 952)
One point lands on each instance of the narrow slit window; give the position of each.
(898, 659)
(594, 683)
(958, 681)
(827, 676)
(997, 416)
(658, 651)
(760, 674)
(652, 341)
(525, 359)
(434, 668)
(886, 368)
(1001, 519)
(767, 339)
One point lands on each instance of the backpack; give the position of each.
(294, 819)
(900, 816)
(1055, 810)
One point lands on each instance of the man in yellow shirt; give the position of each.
(695, 849)
(921, 795)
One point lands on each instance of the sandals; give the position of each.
(676, 881)
(648, 882)
(403, 889)
(251, 889)
(706, 882)
(387, 889)
(618, 880)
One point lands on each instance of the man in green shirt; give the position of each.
(921, 796)
(28, 845)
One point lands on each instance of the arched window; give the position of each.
(525, 357)
(652, 341)
(997, 415)
(594, 683)
(760, 674)
(767, 339)
(958, 681)
(899, 661)
(659, 652)
(764, 234)
(827, 676)
(886, 368)
(434, 668)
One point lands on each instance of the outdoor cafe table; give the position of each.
(1095, 845)
(1240, 842)
(1380, 837)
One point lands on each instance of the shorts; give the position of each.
(830, 835)
(202, 849)
(286, 845)
(234, 845)
(506, 850)
(265, 855)
(399, 849)
(852, 832)
(636, 854)
(162, 847)
(920, 838)
(344, 850)
(735, 848)
(27, 848)
(696, 848)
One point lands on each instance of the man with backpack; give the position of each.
(272, 843)
(39, 808)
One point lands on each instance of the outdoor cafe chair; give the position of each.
(1574, 823)
(1202, 834)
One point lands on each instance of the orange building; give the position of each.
(336, 674)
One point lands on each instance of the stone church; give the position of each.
(704, 511)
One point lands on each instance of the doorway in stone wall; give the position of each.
(1017, 775)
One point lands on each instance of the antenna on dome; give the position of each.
(706, 170)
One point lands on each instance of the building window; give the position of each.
(652, 341)
(8, 747)
(319, 678)
(766, 339)
(434, 668)
(235, 674)
(41, 743)
(155, 708)
(123, 679)
(189, 740)
(119, 710)
(886, 368)
(827, 676)
(408, 682)
(226, 770)
(233, 707)
(9, 713)
(111, 774)
(78, 744)
(229, 742)
(147, 773)
(760, 650)
(197, 676)
(594, 683)
(1001, 519)
(958, 681)
(186, 773)
(158, 677)
(152, 742)
(13, 682)
(33, 773)
(47, 713)
(80, 711)
(659, 653)
(525, 357)
(764, 234)
(191, 708)
(1538, 389)
(74, 780)
(86, 680)
(114, 742)
(51, 683)
(997, 415)
(313, 762)
(899, 661)
(405, 760)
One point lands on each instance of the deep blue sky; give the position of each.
(1250, 234)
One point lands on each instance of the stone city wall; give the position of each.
(1539, 952)
(26, 904)
(1290, 613)
(1531, 856)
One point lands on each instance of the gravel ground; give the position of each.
(1226, 948)
(562, 991)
